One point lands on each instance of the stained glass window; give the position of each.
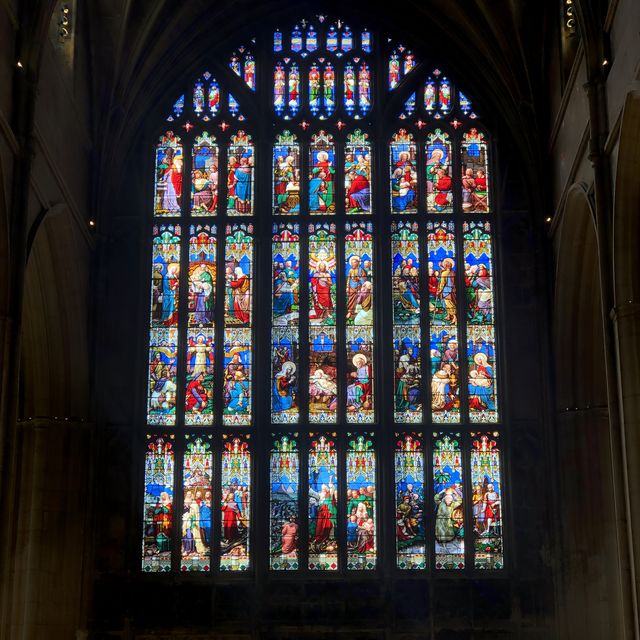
(323, 503)
(409, 496)
(448, 495)
(159, 464)
(285, 319)
(285, 493)
(361, 502)
(298, 370)
(235, 522)
(197, 515)
(487, 500)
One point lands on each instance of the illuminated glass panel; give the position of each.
(487, 501)
(403, 174)
(430, 96)
(322, 158)
(200, 333)
(347, 40)
(312, 39)
(204, 176)
(332, 39)
(323, 378)
(314, 89)
(250, 71)
(359, 320)
(240, 186)
(475, 172)
(163, 334)
(409, 107)
(465, 103)
(401, 62)
(234, 109)
(279, 88)
(439, 181)
(286, 174)
(394, 71)
(177, 109)
(405, 254)
(277, 41)
(206, 97)
(159, 466)
(168, 183)
(409, 486)
(366, 41)
(285, 515)
(235, 521)
(408, 63)
(444, 96)
(364, 88)
(448, 501)
(285, 318)
(296, 40)
(361, 502)
(214, 98)
(243, 65)
(357, 173)
(481, 348)
(443, 322)
(237, 335)
(349, 88)
(294, 89)
(323, 503)
(196, 511)
(329, 90)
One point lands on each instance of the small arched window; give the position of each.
(323, 315)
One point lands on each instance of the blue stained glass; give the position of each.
(296, 40)
(332, 40)
(277, 41)
(366, 41)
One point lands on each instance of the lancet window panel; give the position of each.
(340, 282)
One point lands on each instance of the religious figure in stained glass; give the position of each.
(357, 173)
(169, 162)
(403, 174)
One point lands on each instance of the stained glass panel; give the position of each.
(240, 175)
(443, 322)
(439, 182)
(361, 502)
(294, 89)
(323, 503)
(405, 254)
(410, 513)
(204, 176)
(285, 319)
(314, 89)
(236, 503)
(359, 321)
(323, 379)
(403, 174)
(475, 172)
(285, 516)
(487, 501)
(279, 88)
(237, 335)
(159, 465)
(349, 88)
(357, 173)
(481, 349)
(329, 90)
(286, 174)
(196, 516)
(321, 174)
(445, 96)
(168, 183)
(364, 89)
(448, 498)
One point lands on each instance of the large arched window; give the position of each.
(322, 315)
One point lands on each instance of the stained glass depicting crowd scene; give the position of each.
(322, 77)
(159, 466)
(285, 318)
(323, 503)
(403, 173)
(284, 508)
(286, 174)
(487, 500)
(240, 178)
(481, 352)
(357, 174)
(235, 521)
(322, 158)
(475, 173)
(409, 492)
(361, 502)
(443, 320)
(448, 501)
(200, 333)
(204, 176)
(163, 333)
(237, 335)
(168, 183)
(359, 321)
(323, 377)
(405, 255)
(196, 509)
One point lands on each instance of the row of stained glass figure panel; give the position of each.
(442, 526)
